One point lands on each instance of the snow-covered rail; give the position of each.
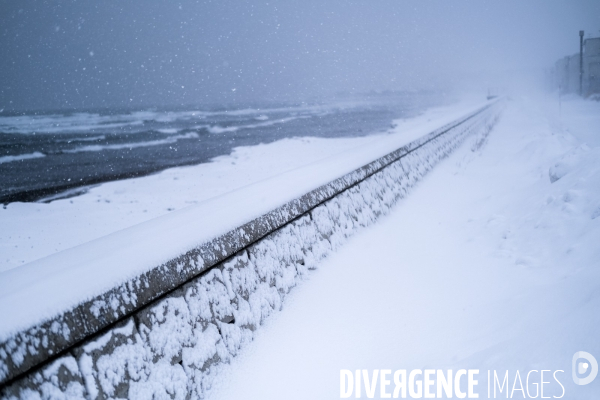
(166, 332)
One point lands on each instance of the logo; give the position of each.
(581, 367)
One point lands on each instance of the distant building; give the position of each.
(591, 66)
(566, 70)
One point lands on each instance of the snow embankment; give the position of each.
(492, 263)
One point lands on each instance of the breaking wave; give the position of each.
(19, 157)
(120, 146)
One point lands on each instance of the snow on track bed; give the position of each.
(174, 347)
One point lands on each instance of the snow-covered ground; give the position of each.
(492, 263)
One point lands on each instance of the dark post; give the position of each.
(581, 63)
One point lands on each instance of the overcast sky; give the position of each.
(85, 54)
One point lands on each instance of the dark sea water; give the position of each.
(43, 154)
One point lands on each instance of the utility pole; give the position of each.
(581, 63)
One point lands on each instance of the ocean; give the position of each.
(48, 155)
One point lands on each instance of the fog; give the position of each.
(89, 54)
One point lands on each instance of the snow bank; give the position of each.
(177, 345)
